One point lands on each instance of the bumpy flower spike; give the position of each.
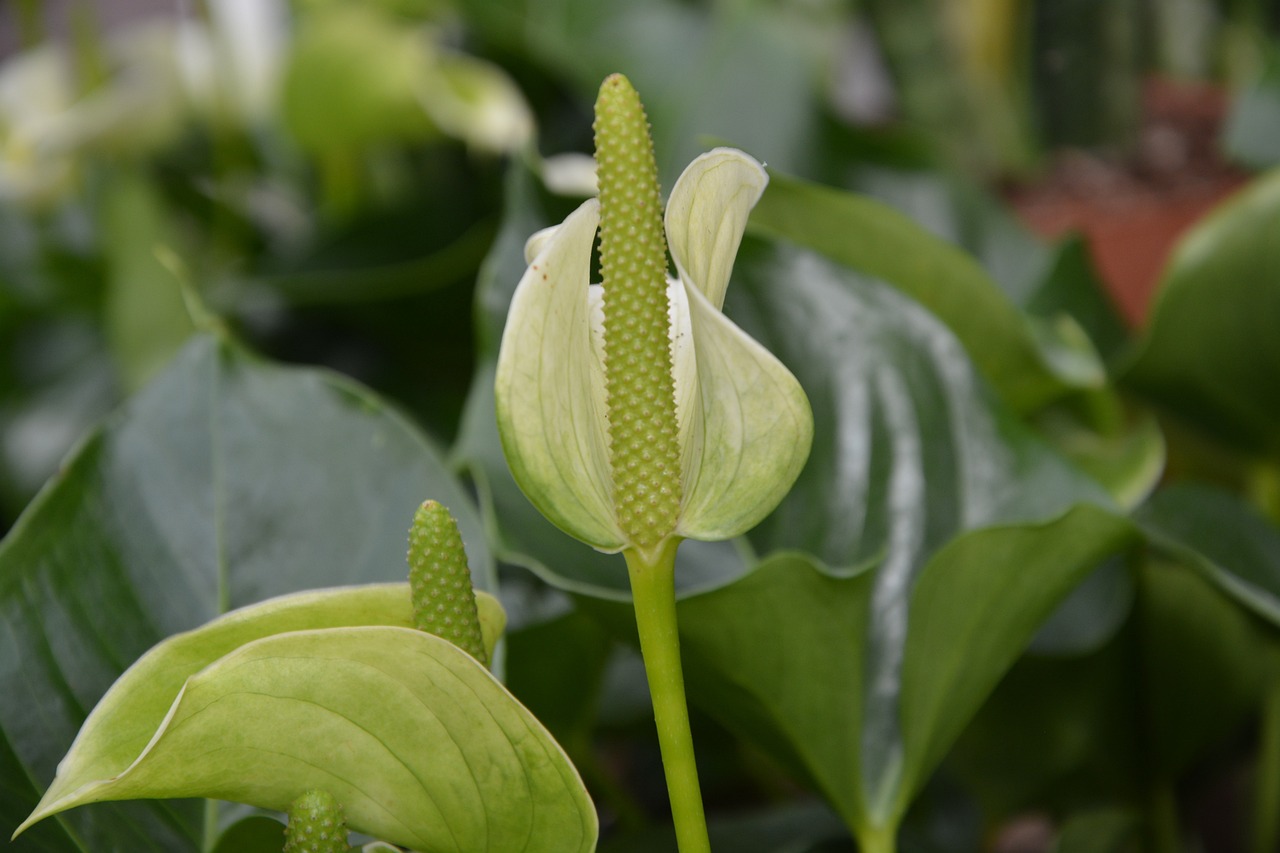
(316, 825)
(444, 602)
(644, 448)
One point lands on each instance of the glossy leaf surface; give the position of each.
(1028, 364)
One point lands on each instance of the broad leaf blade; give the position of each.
(129, 714)
(421, 745)
(225, 482)
(1224, 538)
(1008, 579)
(909, 446)
(782, 655)
(1026, 365)
(1211, 353)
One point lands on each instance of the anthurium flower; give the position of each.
(743, 424)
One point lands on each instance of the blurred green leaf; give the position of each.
(1124, 452)
(1029, 365)
(226, 481)
(1071, 285)
(556, 668)
(353, 78)
(1177, 681)
(256, 834)
(146, 315)
(965, 214)
(702, 70)
(1252, 132)
(1201, 668)
(1090, 615)
(792, 828)
(1057, 732)
(1100, 831)
(1223, 537)
(1211, 354)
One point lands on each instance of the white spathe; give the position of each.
(745, 426)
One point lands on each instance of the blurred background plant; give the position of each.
(348, 183)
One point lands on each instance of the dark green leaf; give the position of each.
(793, 828)
(1072, 286)
(784, 654)
(256, 834)
(1029, 364)
(1105, 831)
(1211, 353)
(1223, 537)
(909, 447)
(147, 320)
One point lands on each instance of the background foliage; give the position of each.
(254, 266)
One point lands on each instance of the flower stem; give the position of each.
(653, 590)
(1266, 816)
(878, 839)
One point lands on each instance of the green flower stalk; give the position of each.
(634, 414)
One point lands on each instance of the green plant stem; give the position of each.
(654, 593)
(878, 839)
(1163, 834)
(1266, 808)
(210, 839)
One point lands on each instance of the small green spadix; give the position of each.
(316, 825)
(444, 602)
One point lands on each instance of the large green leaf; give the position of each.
(785, 655)
(131, 712)
(1180, 679)
(1028, 363)
(702, 71)
(414, 737)
(146, 316)
(1223, 537)
(909, 446)
(1211, 353)
(226, 481)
